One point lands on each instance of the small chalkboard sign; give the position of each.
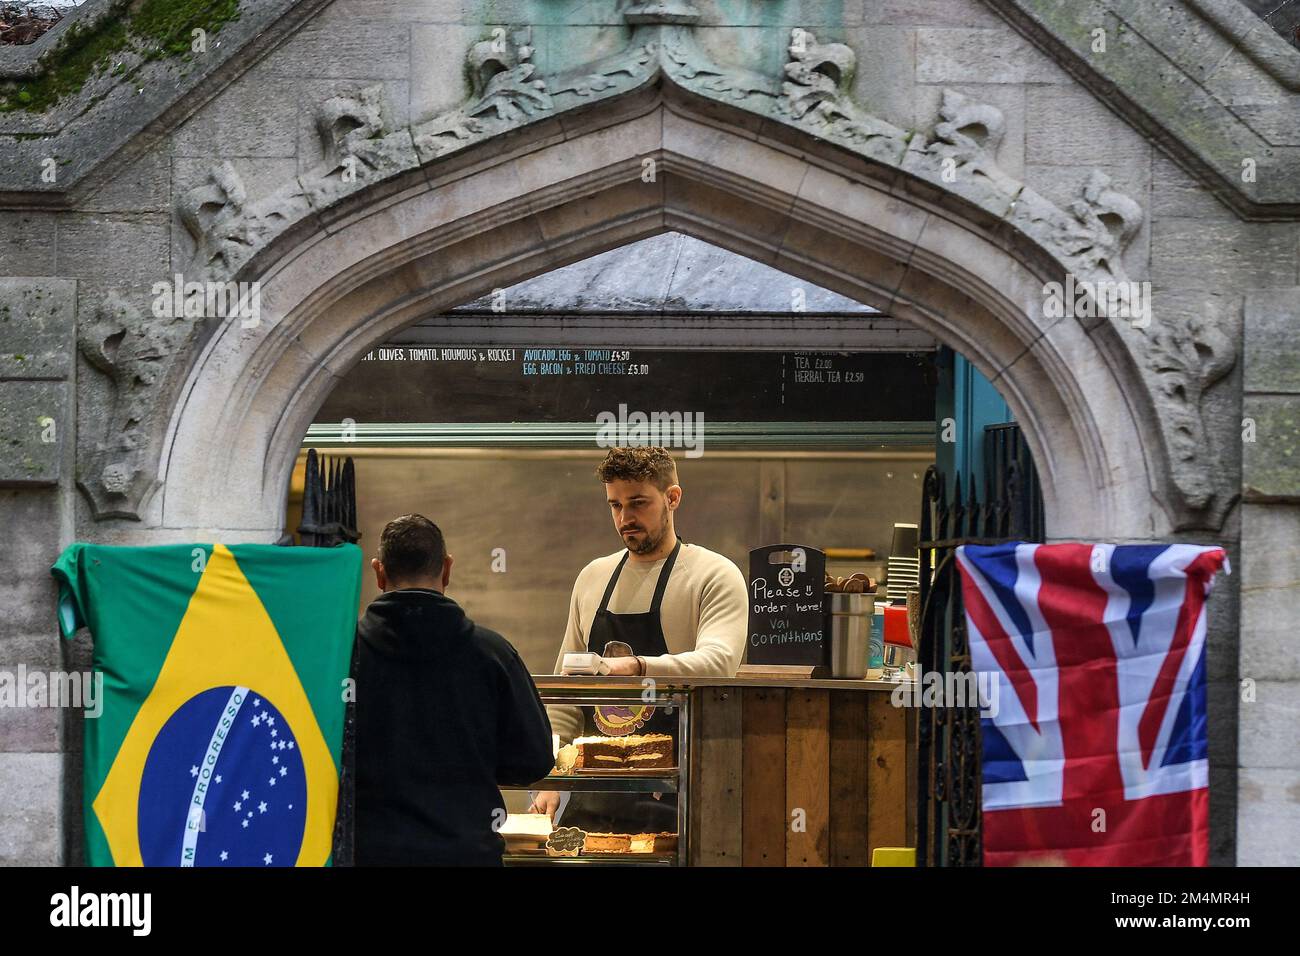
(786, 583)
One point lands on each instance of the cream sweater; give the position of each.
(705, 614)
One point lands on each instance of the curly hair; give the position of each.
(651, 464)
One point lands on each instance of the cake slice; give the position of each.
(642, 843)
(648, 751)
(526, 830)
(630, 843)
(634, 752)
(607, 843)
(649, 761)
(653, 843)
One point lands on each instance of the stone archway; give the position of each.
(420, 242)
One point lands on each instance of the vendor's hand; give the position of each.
(624, 666)
(547, 802)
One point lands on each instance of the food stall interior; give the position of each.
(815, 430)
(498, 445)
(508, 470)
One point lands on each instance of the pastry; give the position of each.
(856, 583)
(565, 760)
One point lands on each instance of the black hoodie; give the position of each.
(446, 712)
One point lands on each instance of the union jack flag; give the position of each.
(1095, 754)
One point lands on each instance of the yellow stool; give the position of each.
(893, 856)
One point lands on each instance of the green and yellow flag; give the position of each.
(224, 675)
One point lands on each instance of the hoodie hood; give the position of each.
(414, 621)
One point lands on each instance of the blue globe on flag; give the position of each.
(223, 785)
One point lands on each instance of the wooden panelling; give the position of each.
(840, 757)
(765, 817)
(887, 784)
(912, 716)
(716, 807)
(849, 769)
(807, 778)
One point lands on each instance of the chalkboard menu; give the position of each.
(786, 583)
(466, 385)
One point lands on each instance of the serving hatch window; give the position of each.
(814, 425)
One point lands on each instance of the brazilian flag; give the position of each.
(224, 676)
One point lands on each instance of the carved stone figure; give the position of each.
(344, 121)
(359, 149)
(1186, 356)
(815, 95)
(136, 353)
(506, 92)
(505, 80)
(962, 156)
(213, 213)
(1109, 220)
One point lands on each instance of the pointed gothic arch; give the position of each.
(417, 244)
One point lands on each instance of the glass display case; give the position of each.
(622, 784)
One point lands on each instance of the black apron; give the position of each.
(628, 812)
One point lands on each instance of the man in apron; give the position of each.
(672, 609)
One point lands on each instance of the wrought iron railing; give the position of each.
(948, 735)
(329, 518)
(329, 502)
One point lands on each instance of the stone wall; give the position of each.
(37, 435)
(1270, 581)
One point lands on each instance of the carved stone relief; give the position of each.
(815, 96)
(137, 352)
(1187, 355)
(958, 155)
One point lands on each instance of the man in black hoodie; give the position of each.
(446, 712)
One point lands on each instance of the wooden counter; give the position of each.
(570, 682)
(764, 748)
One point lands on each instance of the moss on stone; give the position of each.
(141, 30)
(166, 27)
(78, 55)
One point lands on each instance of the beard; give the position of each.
(651, 539)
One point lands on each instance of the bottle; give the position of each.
(876, 645)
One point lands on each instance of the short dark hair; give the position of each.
(642, 463)
(411, 547)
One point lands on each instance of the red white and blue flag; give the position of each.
(1096, 751)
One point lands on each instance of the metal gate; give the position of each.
(948, 737)
(329, 518)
